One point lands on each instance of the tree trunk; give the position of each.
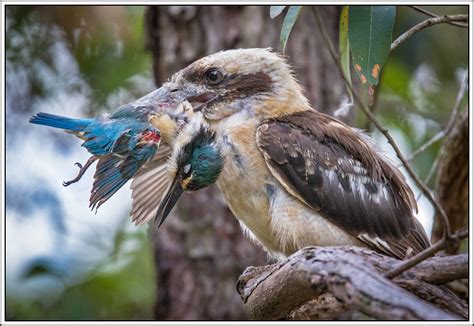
(200, 250)
(453, 180)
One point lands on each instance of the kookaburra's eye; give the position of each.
(214, 76)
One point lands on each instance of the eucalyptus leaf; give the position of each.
(370, 37)
(288, 23)
(276, 11)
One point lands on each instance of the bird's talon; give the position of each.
(82, 170)
(68, 183)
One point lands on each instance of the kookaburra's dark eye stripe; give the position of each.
(248, 84)
(234, 85)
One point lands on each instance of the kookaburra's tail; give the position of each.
(57, 121)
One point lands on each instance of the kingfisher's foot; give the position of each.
(82, 170)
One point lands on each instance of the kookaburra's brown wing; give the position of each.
(334, 169)
(149, 185)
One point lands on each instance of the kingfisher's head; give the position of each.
(195, 163)
(227, 82)
(197, 159)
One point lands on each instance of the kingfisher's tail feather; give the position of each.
(57, 121)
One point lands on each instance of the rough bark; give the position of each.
(453, 179)
(200, 250)
(324, 307)
(342, 282)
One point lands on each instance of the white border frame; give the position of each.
(210, 2)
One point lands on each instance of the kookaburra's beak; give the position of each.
(163, 98)
(169, 95)
(201, 100)
(169, 200)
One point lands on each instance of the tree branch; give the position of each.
(460, 288)
(439, 295)
(429, 13)
(324, 307)
(427, 23)
(441, 244)
(351, 276)
(442, 270)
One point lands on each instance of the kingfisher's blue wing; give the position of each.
(102, 142)
(113, 136)
(130, 111)
(113, 172)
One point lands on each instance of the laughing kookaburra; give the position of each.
(291, 175)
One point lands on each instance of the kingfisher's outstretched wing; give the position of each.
(149, 185)
(331, 167)
(113, 171)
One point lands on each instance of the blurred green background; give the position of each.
(66, 262)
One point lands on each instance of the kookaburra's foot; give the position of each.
(82, 170)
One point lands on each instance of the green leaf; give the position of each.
(344, 49)
(276, 11)
(370, 36)
(288, 23)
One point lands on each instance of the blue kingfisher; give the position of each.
(195, 163)
(122, 142)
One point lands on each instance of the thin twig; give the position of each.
(457, 105)
(424, 24)
(432, 170)
(373, 106)
(426, 145)
(430, 173)
(388, 136)
(452, 120)
(406, 264)
(429, 13)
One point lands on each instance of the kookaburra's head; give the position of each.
(227, 82)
